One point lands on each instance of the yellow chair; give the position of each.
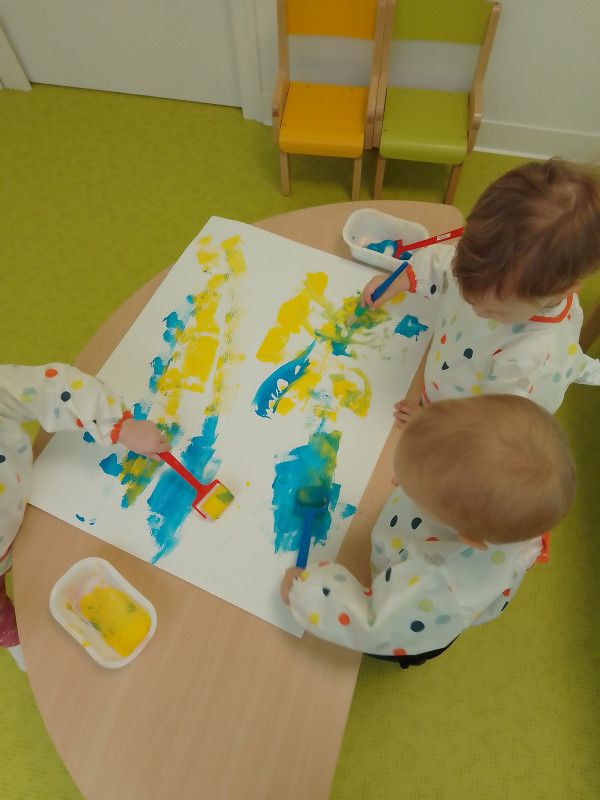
(425, 124)
(326, 119)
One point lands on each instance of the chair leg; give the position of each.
(284, 168)
(454, 176)
(356, 175)
(379, 173)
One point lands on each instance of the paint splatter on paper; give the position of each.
(200, 353)
(410, 326)
(321, 380)
(247, 361)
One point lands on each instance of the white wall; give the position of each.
(542, 88)
(166, 48)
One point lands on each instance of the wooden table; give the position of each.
(221, 705)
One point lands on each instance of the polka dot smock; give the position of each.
(59, 397)
(428, 586)
(470, 355)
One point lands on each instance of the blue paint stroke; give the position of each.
(173, 323)
(158, 368)
(273, 388)
(140, 410)
(171, 500)
(80, 518)
(310, 464)
(111, 465)
(340, 340)
(347, 510)
(381, 247)
(87, 437)
(410, 326)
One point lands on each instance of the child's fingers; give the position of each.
(288, 581)
(406, 405)
(365, 297)
(401, 417)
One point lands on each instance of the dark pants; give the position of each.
(412, 661)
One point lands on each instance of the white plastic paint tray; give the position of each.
(80, 579)
(368, 225)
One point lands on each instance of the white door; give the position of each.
(182, 49)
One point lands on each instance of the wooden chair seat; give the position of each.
(425, 125)
(324, 120)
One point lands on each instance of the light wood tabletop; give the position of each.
(220, 705)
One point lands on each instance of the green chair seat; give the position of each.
(425, 125)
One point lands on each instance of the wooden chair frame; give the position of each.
(282, 85)
(475, 96)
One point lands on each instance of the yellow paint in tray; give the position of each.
(121, 622)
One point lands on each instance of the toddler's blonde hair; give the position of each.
(497, 468)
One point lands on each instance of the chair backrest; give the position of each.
(350, 18)
(461, 21)
(355, 19)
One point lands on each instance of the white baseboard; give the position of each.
(533, 142)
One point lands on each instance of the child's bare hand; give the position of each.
(399, 285)
(288, 581)
(404, 410)
(365, 296)
(143, 437)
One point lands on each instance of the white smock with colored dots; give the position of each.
(428, 586)
(59, 397)
(469, 355)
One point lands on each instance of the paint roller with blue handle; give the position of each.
(311, 503)
(404, 253)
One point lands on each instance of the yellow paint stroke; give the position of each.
(140, 471)
(324, 412)
(234, 254)
(230, 355)
(206, 257)
(292, 317)
(302, 390)
(194, 355)
(202, 346)
(349, 395)
(285, 405)
(336, 335)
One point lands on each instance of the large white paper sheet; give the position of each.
(244, 356)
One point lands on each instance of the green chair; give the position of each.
(426, 124)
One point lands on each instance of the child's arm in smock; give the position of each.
(538, 376)
(396, 615)
(61, 397)
(426, 274)
(590, 372)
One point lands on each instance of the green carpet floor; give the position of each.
(98, 192)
